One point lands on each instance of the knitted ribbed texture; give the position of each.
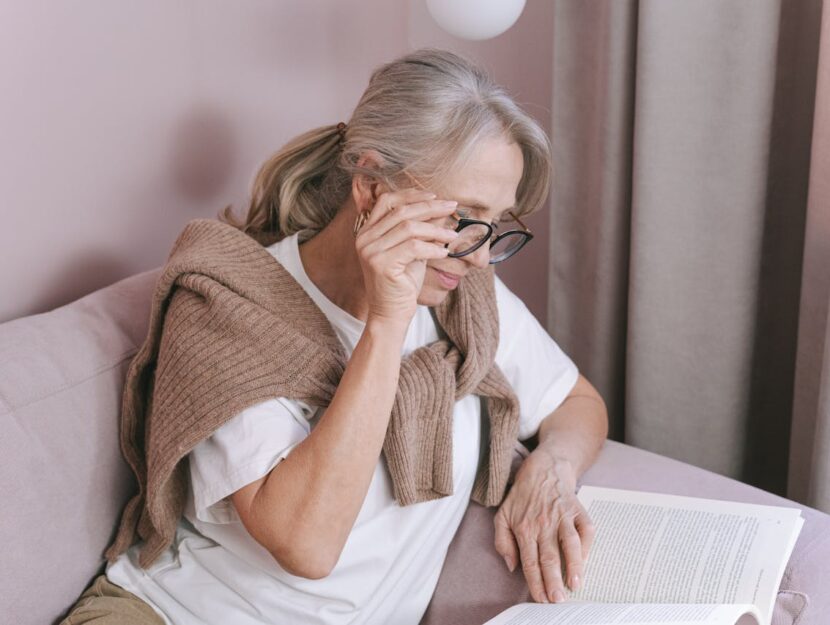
(230, 328)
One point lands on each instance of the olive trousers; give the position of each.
(104, 603)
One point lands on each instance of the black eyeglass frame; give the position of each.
(463, 222)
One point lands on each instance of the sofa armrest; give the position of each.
(475, 584)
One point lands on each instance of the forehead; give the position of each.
(490, 178)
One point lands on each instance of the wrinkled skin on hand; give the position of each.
(543, 525)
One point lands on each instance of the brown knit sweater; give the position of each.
(230, 327)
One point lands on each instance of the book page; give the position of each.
(576, 613)
(654, 548)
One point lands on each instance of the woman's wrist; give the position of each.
(553, 457)
(542, 463)
(387, 327)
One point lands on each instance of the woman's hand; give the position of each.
(540, 515)
(394, 246)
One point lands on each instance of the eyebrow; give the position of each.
(476, 205)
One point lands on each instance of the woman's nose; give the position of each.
(480, 258)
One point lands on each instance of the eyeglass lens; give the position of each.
(506, 246)
(469, 237)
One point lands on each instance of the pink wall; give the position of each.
(122, 121)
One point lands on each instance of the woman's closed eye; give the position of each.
(469, 213)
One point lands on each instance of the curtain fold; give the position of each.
(592, 129)
(682, 137)
(810, 444)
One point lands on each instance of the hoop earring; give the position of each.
(358, 223)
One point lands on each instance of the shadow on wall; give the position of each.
(202, 155)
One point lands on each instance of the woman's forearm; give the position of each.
(576, 430)
(303, 511)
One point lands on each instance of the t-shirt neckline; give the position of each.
(344, 318)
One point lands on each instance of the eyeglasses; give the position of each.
(472, 234)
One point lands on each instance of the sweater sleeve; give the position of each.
(242, 451)
(540, 373)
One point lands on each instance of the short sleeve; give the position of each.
(540, 373)
(242, 451)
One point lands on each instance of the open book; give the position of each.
(670, 559)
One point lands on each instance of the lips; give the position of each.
(448, 280)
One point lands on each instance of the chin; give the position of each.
(432, 292)
(430, 296)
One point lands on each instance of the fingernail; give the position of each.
(559, 596)
(574, 582)
(509, 563)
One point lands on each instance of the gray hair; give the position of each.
(423, 114)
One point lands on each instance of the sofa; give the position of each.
(64, 482)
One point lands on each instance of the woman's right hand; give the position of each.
(394, 245)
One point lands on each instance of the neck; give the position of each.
(331, 263)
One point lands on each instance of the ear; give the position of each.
(366, 188)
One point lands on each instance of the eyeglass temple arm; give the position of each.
(519, 221)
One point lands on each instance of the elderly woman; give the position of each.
(327, 383)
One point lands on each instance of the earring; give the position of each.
(361, 219)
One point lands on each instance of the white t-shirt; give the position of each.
(215, 573)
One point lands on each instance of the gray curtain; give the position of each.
(810, 443)
(685, 160)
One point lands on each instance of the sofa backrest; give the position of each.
(63, 480)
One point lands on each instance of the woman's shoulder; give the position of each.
(510, 306)
(520, 332)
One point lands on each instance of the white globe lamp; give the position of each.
(475, 19)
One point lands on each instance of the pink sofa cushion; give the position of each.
(63, 481)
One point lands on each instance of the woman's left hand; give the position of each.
(539, 515)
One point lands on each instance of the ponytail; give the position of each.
(296, 188)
